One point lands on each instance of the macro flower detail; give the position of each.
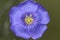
(28, 19)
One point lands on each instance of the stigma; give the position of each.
(28, 19)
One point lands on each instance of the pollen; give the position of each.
(28, 19)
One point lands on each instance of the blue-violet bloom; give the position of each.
(28, 19)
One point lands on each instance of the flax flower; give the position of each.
(28, 19)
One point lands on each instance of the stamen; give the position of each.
(29, 19)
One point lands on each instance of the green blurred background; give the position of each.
(53, 7)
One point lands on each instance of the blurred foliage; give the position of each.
(53, 7)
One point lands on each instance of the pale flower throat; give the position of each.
(28, 19)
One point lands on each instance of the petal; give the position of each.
(38, 31)
(20, 31)
(28, 6)
(43, 14)
(15, 15)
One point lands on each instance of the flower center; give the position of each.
(29, 19)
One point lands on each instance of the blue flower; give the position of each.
(28, 19)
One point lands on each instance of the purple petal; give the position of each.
(28, 6)
(15, 15)
(20, 31)
(38, 31)
(44, 17)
